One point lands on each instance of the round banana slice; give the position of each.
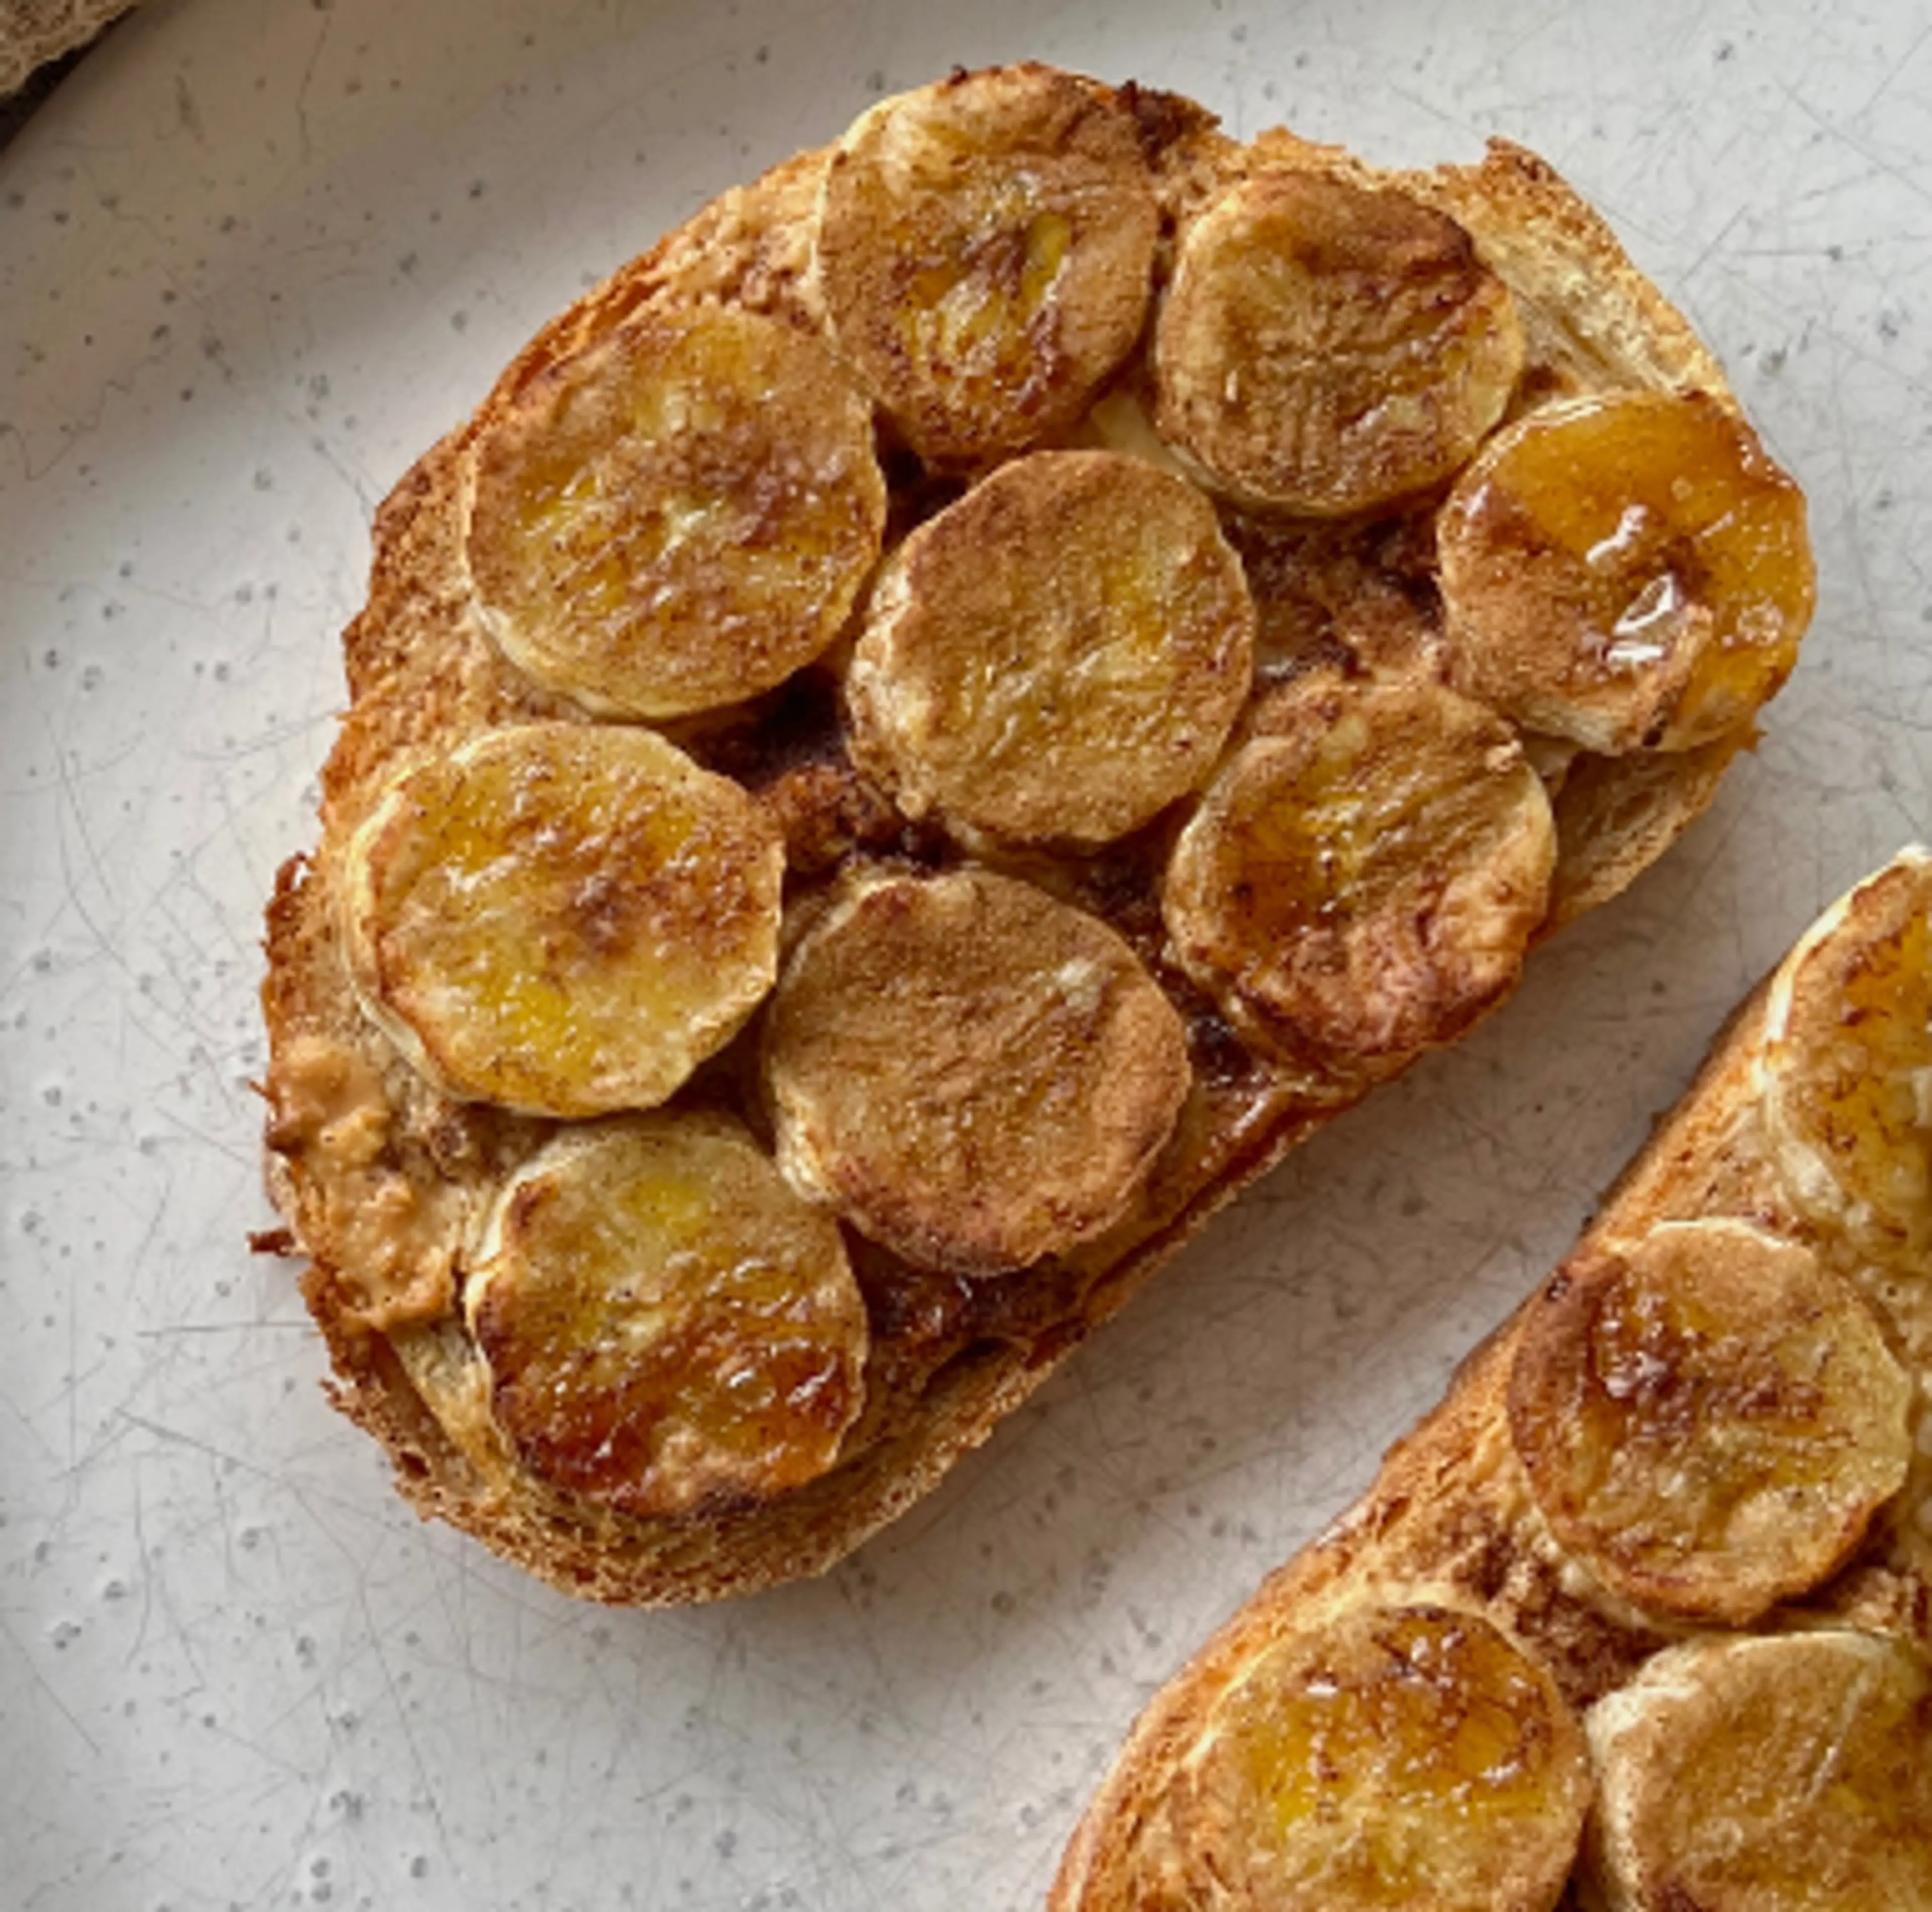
(1058, 655)
(665, 1323)
(1845, 1071)
(565, 918)
(677, 517)
(1781, 1773)
(1629, 570)
(1709, 1418)
(984, 252)
(974, 1074)
(1364, 877)
(1395, 1756)
(1325, 348)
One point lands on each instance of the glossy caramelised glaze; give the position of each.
(1662, 606)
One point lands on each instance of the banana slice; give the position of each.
(665, 1323)
(1629, 570)
(1773, 1774)
(1845, 1072)
(677, 517)
(1058, 655)
(984, 252)
(974, 1074)
(1362, 879)
(1325, 348)
(1396, 1756)
(565, 919)
(1709, 1418)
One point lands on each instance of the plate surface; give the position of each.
(255, 256)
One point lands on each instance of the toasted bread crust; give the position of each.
(382, 1181)
(1452, 1507)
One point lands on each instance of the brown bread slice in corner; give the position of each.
(1689, 1483)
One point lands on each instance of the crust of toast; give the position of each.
(380, 1178)
(1450, 1509)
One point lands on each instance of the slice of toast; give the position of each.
(1012, 1139)
(1753, 1681)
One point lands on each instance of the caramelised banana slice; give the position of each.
(1708, 1417)
(984, 252)
(677, 516)
(665, 1323)
(565, 919)
(1846, 1068)
(1363, 877)
(1629, 570)
(1057, 656)
(1392, 1756)
(1325, 348)
(975, 1074)
(1779, 1773)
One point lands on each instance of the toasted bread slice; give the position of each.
(1690, 1479)
(626, 532)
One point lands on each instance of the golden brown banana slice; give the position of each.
(1846, 1069)
(665, 1323)
(1326, 349)
(1709, 1418)
(1629, 570)
(975, 1074)
(1057, 656)
(984, 251)
(677, 517)
(1779, 1773)
(1394, 1756)
(1363, 877)
(565, 918)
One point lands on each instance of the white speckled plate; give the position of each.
(253, 256)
